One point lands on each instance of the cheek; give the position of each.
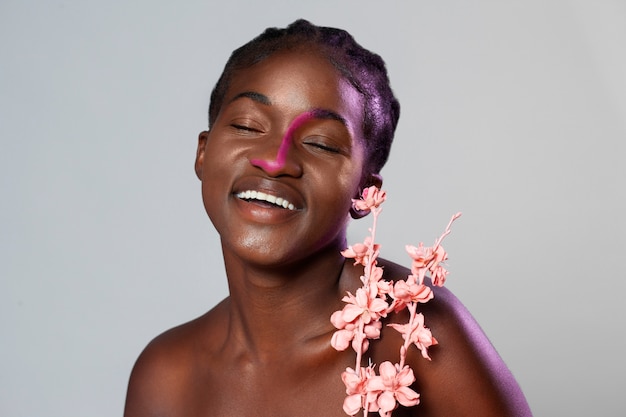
(221, 159)
(343, 186)
(209, 200)
(217, 172)
(354, 180)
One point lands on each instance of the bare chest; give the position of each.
(278, 390)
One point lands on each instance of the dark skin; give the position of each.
(265, 350)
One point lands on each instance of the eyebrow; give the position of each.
(328, 114)
(318, 113)
(258, 97)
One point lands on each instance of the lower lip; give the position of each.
(260, 213)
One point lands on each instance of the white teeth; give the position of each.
(259, 195)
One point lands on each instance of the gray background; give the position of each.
(513, 112)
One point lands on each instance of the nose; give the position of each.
(281, 163)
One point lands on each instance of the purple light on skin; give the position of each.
(281, 156)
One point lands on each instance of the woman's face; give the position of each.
(283, 159)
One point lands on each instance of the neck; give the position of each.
(274, 307)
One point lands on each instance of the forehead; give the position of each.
(299, 81)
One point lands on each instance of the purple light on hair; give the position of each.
(281, 156)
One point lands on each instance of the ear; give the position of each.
(202, 140)
(370, 179)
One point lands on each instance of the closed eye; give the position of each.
(244, 128)
(323, 146)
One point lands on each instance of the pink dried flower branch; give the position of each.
(359, 321)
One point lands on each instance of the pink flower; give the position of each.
(357, 390)
(371, 197)
(417, 334)
(428, 259)
(363, 307)
(384, 287)
(438, 275)
(412, 290)
(365, 304)
(359, 252)
(393, 385)
(341, 338)
(349, 332)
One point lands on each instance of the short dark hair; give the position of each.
(365, 70)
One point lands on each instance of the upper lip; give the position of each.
(273, 188)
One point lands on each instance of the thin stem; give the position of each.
(359, 353)
(447, 231)
(371, 259)
(407, 341)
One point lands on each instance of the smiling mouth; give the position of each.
(251, 195)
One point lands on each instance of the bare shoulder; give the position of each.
(166, 368)
(466, 376)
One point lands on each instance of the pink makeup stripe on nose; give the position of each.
(281, 156)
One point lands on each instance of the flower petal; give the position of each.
(352, 404)
(405, 376)
(407, 397)
(341, 339)
(387, 401)
(388, 372)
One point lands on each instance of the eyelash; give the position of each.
(244, 128)
(320, 146)
(323, 147)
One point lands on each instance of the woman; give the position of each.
(300, 123)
